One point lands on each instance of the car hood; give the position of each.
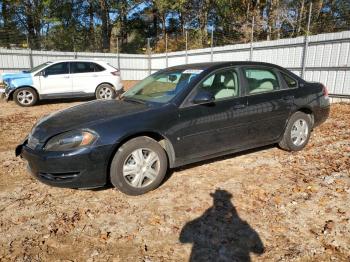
(6, 76)
(82, 116)
(17, 79)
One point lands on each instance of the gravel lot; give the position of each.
(264, 204)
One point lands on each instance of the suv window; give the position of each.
(291, 83)
(82, 67)
(57, 69)
(223, 84)
(260, 80)
(98, 68)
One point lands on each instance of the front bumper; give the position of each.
(5, 91)
(2, 92)
(84, 168)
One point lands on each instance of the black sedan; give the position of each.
(174, 117)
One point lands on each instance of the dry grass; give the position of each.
(294, 204)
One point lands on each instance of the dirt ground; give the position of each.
(264, 205)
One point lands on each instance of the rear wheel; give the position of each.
(297, 133)
(138, 166)
(25, 96)
(105, 91)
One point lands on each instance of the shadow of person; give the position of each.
(220, 234)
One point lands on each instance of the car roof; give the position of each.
(211, 66)
(78, 60)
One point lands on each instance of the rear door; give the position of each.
(269, 104)
(84, 77)
(55, 80)
(209, 129)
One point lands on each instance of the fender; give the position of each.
(158, 136)
(15, 81)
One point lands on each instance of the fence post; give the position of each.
(30, 57)
(251, 41)
(211, 45)
(149, 55)
(306, 46)
(186, 38)
(118, 53)
(166, 50)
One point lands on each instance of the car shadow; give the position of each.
(64, 100)
(215, 159)
(171, 171)
(220, 234)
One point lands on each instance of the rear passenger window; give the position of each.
(82, 67)
(261, 80)
(291, 83)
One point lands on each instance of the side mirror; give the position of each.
(204, 97)
(43, 73)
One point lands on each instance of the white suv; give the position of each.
(62, 79)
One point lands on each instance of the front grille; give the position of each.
(59, 176)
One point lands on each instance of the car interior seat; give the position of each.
(228, 86)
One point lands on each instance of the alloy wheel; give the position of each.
(25, 97)
(106, 93)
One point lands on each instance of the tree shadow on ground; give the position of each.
(220, 234)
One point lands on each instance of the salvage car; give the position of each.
(63, 79)
(174, 117)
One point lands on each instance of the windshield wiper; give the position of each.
(135, 100)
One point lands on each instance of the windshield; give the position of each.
(162, 86)
(37, 68)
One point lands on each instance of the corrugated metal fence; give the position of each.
(323, 58)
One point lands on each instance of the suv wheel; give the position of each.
(105, 91)
(138, 166)
(297, 133)
(25, 96)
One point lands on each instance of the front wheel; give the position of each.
(25, 96)
(297, 133)
(105, 91)
(138, 166)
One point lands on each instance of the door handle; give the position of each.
(287, 98)
(238, 106)
(66, 77)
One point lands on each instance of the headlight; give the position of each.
(70, 140)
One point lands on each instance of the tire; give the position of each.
(297, 132)
(138, 166)
(105, 91)
(25, 96)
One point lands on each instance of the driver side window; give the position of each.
(57, 69)
(223, 84)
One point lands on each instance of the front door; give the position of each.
(212, 128)
(55, 80)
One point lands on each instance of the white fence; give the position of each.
(323, 58)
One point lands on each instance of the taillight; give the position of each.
(325, 91)
(116, 73)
